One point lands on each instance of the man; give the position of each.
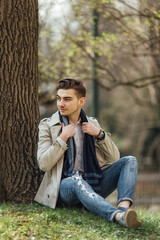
(81, 162)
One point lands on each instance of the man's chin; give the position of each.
(63, 113)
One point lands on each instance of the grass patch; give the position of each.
(36, 222)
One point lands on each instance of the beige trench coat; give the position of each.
(50, 157)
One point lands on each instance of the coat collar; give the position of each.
(54, 119)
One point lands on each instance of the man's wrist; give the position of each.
(61, 142)
(100, 135)
(63, 137)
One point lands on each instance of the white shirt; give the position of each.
(78, 139)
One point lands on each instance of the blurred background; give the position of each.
(114, 46)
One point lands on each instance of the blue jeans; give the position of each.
(121, 175)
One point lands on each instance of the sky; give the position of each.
(54, 11)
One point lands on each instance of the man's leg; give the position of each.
(74, 190)
(123, 176)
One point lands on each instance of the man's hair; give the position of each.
(72, 83)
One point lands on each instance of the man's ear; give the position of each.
(82, 101)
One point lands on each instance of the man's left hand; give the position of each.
(90, 129)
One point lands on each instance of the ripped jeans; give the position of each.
(121, 175)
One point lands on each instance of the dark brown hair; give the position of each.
(72, 83)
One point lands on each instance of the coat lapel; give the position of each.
(55, 119)
(55, 126)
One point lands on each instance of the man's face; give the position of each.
(68, 103)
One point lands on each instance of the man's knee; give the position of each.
(130, 160)
(133, 160)
(70, 182)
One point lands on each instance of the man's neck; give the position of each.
(74, 119)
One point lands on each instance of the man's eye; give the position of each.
(67, 99)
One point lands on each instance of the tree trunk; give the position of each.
(19, 112)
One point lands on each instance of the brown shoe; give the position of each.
(129, 219)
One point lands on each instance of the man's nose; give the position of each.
(61, 103)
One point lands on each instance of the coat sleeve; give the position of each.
(107, 146)
(109, 149)
(49, 153)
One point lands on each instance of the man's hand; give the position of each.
(90, 129)
(67, 132)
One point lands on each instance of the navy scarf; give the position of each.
(92, 171)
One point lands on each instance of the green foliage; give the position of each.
(37, 222)
(123, 33)
(157, 14)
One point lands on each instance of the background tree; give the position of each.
(139, 25)
(19, 112)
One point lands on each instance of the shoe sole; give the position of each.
(131, 219)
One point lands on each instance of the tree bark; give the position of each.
(19, 111)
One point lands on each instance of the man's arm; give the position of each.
(109, 149)
(48, 152)
(106, 145)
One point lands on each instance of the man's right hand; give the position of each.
(67, 132)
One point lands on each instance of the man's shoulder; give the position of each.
(45, 120)
(93, 120)
(53, 120)
(44, 124)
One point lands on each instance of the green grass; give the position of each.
(36, 222)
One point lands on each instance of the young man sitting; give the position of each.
(81, 162)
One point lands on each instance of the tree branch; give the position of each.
(132, 83)
(113, 78)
